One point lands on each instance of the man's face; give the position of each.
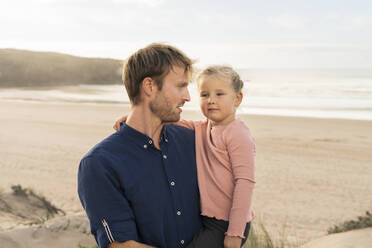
(168, 101)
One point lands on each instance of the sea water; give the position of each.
(322, 93)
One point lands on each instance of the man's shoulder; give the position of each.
(109, 146)
(111, 154)
(179, 130)
(178, 133)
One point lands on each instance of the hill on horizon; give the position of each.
(22, 68)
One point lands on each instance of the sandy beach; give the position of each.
(311, 173)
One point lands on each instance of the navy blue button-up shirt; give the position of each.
(133, 191)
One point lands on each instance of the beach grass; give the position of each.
(361, 222)
(46, 204)
(259, 237)
(82, 246)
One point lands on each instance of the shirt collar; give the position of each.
(141, 138)
(164, 134)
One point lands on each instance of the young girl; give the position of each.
(225, 153)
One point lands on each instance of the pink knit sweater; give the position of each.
(225, 163)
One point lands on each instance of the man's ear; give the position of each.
(148, 86)
(239, 98)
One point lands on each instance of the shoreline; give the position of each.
(311, 173)
(126, 105)
(259, 98)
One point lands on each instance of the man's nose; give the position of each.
(187, 97)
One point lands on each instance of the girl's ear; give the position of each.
(238, 99)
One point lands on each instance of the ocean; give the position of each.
(321, 93)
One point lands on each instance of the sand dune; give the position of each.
(61, 232)
(355, 239)
(25, 207)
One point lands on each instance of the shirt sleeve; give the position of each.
(241, 149)
(110, 215)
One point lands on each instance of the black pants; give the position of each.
(212, 234)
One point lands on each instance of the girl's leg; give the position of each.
(212, 234)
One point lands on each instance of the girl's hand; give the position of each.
(232, 242)
(118, 122)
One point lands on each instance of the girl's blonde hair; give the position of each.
(226, 72)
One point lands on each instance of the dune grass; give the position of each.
(259, 237)
(361, 222)
(25, 192)
(34, 201)
(82, 246)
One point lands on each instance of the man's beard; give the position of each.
(161, 107)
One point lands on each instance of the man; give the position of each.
(139, 185)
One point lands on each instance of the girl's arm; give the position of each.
(182, 123)
(241, 149)
(118, 122)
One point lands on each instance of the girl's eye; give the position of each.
(203, 95)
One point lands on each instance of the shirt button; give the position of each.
(150, 142)
(172, 183)
(182, 241)
(178, 212)
(165, 156)
(166, 140)
(144, 146)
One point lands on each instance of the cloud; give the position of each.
(287, 21)
(349, 22)
(296, 55)
(149, 3)
(358, 22)
(33, 2)
(240, 55)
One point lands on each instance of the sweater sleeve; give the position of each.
(241, 149)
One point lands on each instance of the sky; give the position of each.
(241, 33)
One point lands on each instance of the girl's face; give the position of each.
(218, 100)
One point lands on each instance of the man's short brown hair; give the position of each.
(155, 61)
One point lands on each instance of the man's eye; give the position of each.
(220, 94)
